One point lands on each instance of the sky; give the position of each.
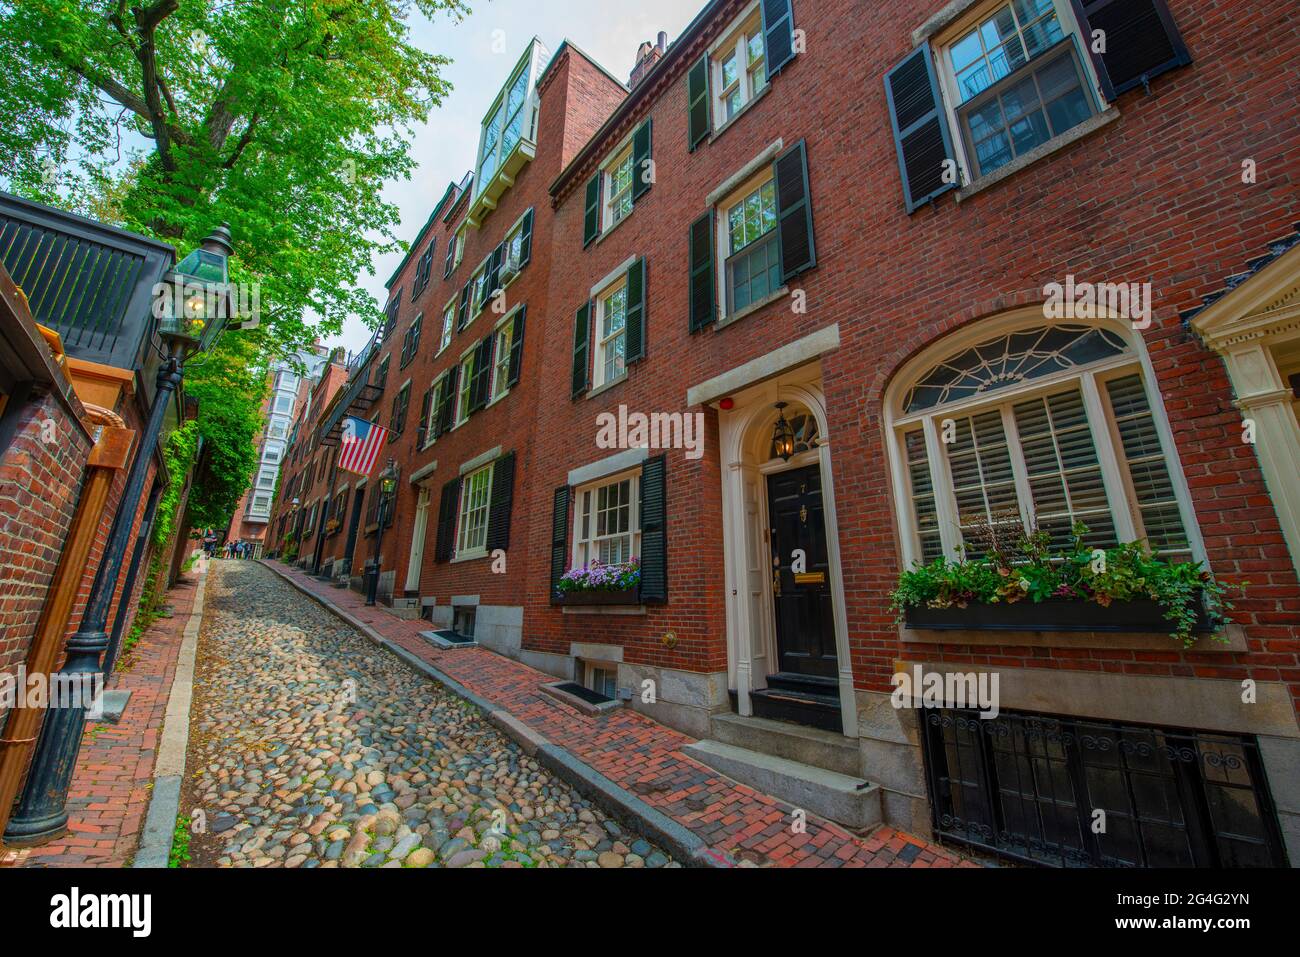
(444, 147)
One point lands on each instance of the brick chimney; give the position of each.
(646, 57)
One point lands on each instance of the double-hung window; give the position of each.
(459, 239)
(618, 187)
(472, 523)
(401, 402)
(448, 325)
(607, 527)
(479, 291)
(1036, 429)
(465, 384)
(512, 253)
(505, 337)
(611, 333)
(739, 67)
(753, 264)
(1017, 77)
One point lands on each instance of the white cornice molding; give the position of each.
(1265, 306)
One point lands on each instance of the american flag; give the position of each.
(361, 443)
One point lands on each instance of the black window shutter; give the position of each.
(701, 263)
(640, 160)
(439, 397)
(920, 129)
(794, 212)
(778, 34)
(581, 349)
(499, 504)
(591, 224)
(462, 309)
(654, 540)
(481, 383)
(1142, 41)
(697, 102)
(526, 239)
(494, 273)
(517, 347)
(422, 432)
(559, 537)
(447, 416)
(446, 545)
(634, 323)
(451, 254)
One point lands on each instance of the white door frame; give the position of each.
(417, 541)
(751, 653)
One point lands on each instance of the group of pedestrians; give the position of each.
(234, 549)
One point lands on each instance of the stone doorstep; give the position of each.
(553, 689)
(794, 742)
(828, 794)
(437, 640)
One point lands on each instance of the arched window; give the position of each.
(1038, 427)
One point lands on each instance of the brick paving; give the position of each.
(110, 789)
(645, 757)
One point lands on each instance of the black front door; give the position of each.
(353, 523)
(805, 624)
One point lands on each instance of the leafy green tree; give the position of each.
(282, 118)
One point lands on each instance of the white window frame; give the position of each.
(467, 505)
(722, 237)
(504, 334)
(458, 237)
(952, 101)
(609, 213)
(283, 405)
(735, 41)
(601, 343)
(464, 374)
(530, 65)
(478, 286)
(510, 267)
(448, 329)
(586, 506)
(273, 453)
(1090, 380)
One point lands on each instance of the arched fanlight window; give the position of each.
(1039, 427)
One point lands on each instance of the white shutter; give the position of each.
(1147, 470)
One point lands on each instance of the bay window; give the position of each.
(1035, 430)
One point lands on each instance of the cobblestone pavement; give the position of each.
(312, 747)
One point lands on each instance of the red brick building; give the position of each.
(821, 253)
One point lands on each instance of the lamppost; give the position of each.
(201, 280)
(387, 486)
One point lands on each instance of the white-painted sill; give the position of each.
(605, 387)
(753, 307)
(714, 136)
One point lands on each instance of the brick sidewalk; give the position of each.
(644, 757)
(111, 786)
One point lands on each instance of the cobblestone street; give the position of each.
(311, 747)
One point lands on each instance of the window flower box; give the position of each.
(598, 584)
(1053, 615)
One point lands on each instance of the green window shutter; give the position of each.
(526, 239)
(582, 349)
(697, 103)
(462, 308)
(451, 257)
(500, 502)
(641, 164)
(517, 347)
(1142, 41)
(446, 418)
(702, 311)
(654, 539)
(794, 212)
(920, 129)
(636, 313)
(447, 507)
(559, 537)
(778, 34)
(591, 224)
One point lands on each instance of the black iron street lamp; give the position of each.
(199, 287)
(387, 487)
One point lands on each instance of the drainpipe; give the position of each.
(109, 456)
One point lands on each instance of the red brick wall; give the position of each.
(40, 484)
(1155, 196)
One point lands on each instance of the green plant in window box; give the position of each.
(1129, 575)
